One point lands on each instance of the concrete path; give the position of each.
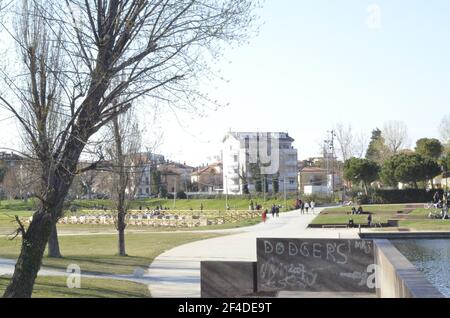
(176, 273)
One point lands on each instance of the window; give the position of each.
(236, 158)
(147, 181)
(147, 190)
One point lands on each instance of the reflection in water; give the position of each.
(432, 257)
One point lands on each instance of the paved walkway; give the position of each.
(176, 273)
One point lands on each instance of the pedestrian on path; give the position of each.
(303, 207)
(307, 207)
(273, 211)
(313, 205)
(264, 215)
(277, 211)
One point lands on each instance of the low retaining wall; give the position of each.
(397, 277)
(227, 279)
(405, 235)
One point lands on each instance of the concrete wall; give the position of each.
(397, 277)
(227, 279)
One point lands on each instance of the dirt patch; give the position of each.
(409, 208)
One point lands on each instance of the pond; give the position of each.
(431, 257)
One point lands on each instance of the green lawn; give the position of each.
(56, 287)
(97, 253)
(195, 204)
(341, 215)
(426, 225)
(212, 208)
(415, 220)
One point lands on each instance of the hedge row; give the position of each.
(399, 196)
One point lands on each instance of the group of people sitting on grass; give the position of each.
(357, 211)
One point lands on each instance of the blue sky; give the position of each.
(316, 63)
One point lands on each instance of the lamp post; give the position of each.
(226, 193)
(329, 149)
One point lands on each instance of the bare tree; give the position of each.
(350, 143)
(395, 135)
(361, 142)
(128, 165)
(98, 52)
(345, 141)
(444, 130)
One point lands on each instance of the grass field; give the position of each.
(413, 219)
(97, 253)
(213, 208)
(194, 204)
(56, 287)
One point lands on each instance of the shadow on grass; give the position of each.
(99, 265)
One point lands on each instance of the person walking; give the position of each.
(369, 220)
(277, 211)
(273, 211)
(264, 215)
(302, 208)
(313, 206)
(307, 207)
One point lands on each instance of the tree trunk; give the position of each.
(121, 229)
(30, 258)
(121, 187)
(53, 244)
(366, 190)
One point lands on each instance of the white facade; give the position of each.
(236, 161)
(312, 189)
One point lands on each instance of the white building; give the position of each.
(238, 153)
(146, 163)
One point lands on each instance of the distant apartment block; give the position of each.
(176, 177)
(237, 165)
(146, 163)
(208, 179)
(315, 180)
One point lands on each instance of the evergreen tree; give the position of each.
(377, 150)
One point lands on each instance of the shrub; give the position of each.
(397, 196)
(181, 195)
